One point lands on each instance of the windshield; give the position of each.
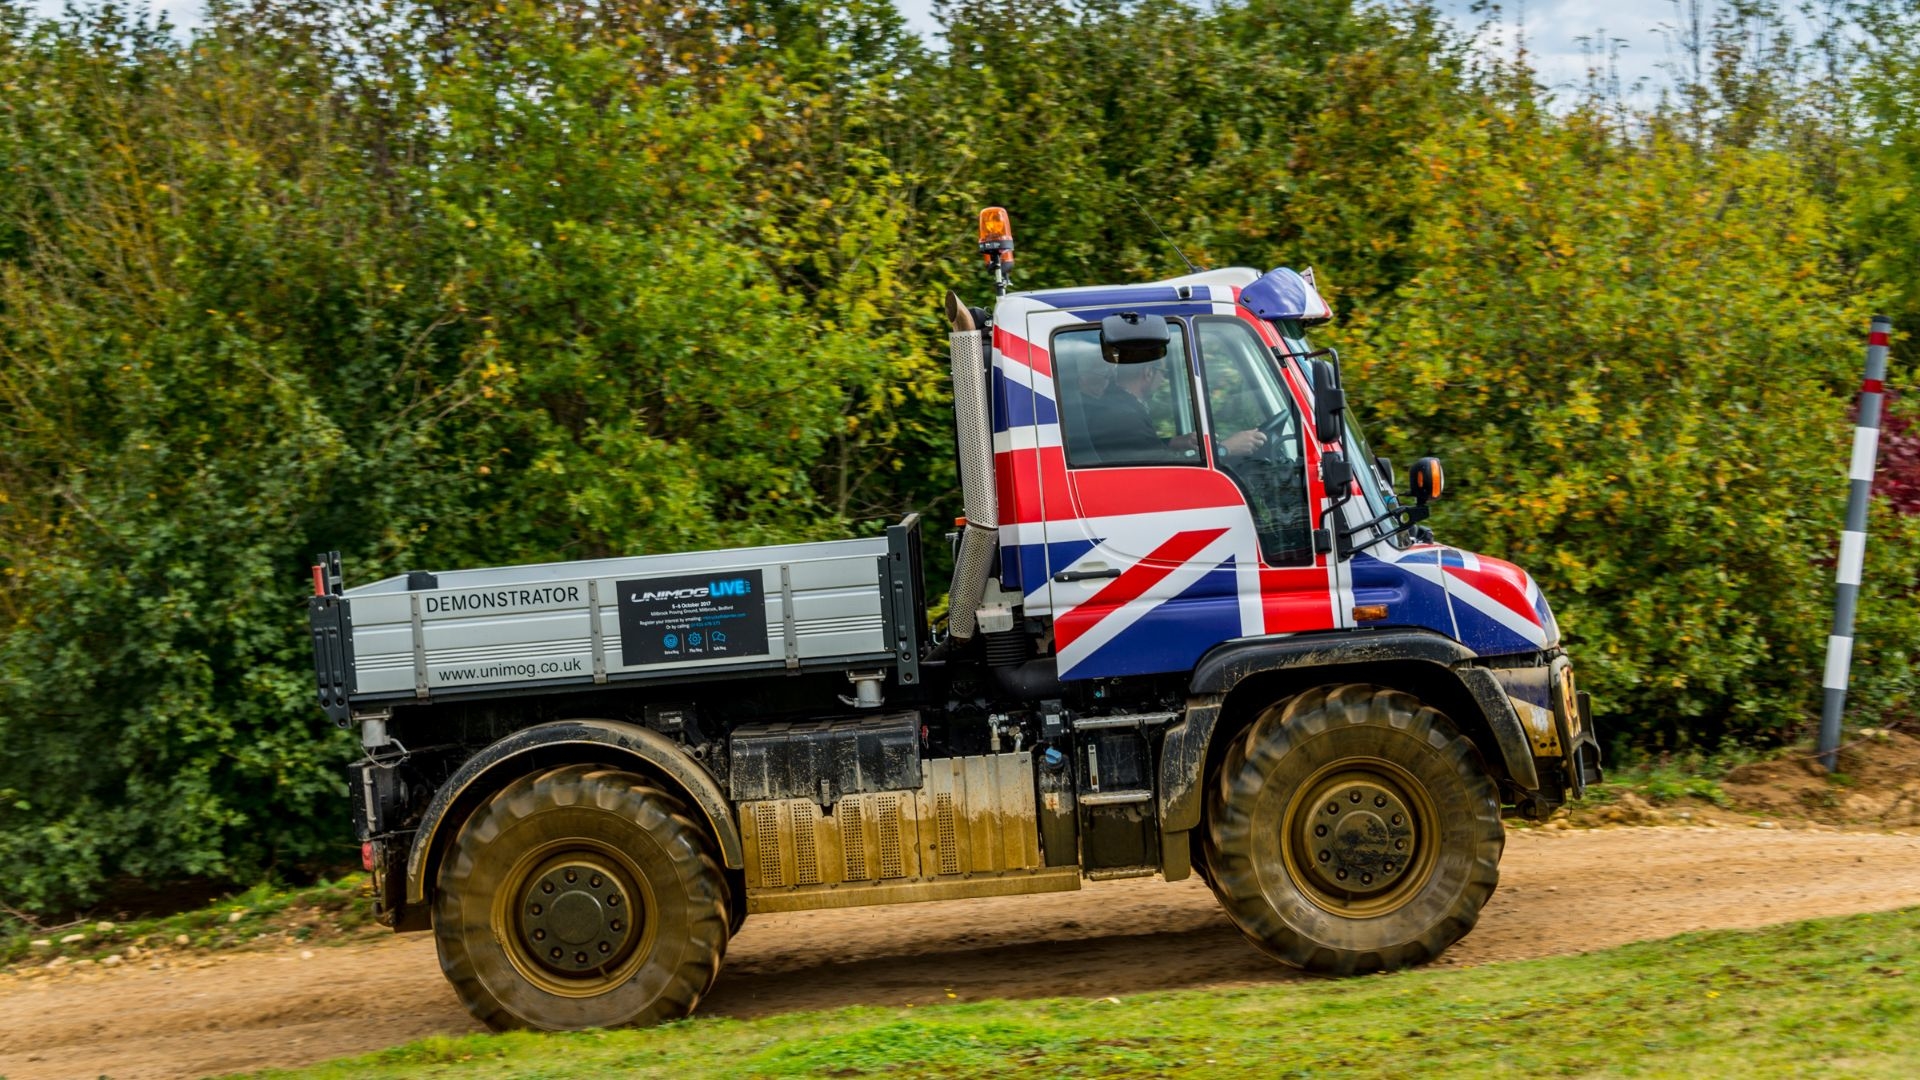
(1365, 467)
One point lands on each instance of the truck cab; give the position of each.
(1146, 554)
(1192, 627)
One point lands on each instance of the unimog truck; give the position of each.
(1192, 628)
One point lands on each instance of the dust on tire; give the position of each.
(597, 813)
(1383, 746)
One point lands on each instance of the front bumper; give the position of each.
(1557, 718)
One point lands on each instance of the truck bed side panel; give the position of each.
(645, 617)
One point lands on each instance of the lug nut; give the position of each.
(1333, 808)
(539, 935)
(1366, 879)
(613, 899)
(535, 909)
(1379, 800)
(572, 877)
(605, 948)
(1319, 830)
(1353, 796)
(1324, 856)
(1341, 874)
(1399, 845)
(594, 881)
(546, 886)
(579, 958)
(1396, 819)
(556, 953)
(614, 926)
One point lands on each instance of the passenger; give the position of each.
(1083, 378)
(1117, 420)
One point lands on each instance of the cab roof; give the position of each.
(1208, 286)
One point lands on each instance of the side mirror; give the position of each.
(1133, 338)
(1329, 403)
(1335, 474)
(1427, 479)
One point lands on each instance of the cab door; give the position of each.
(1153, 558)
(1253, 407)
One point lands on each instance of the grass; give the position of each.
(326, 910)
(1671, 778)
(1835, 997)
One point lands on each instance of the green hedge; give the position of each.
(449, 285)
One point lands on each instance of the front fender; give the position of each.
(608, 741)
(1184, 751)
(1226, 664)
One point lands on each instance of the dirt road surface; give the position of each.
(1560, 892)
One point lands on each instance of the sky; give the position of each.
(1554, 31)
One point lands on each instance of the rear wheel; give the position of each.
(580, 897)
(1353, 829)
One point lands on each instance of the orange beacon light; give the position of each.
(996, 234)
(996, 243)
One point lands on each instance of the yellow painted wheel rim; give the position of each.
(575, 917)
(1360, 838)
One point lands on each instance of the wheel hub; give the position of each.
(577, 916)
(1358, 835)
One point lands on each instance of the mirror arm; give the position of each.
(1336, 476)
(1407, 517)
(1337, 525)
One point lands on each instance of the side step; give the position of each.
(1116, 798)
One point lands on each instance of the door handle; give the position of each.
(1086, 575)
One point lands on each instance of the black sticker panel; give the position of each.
(692, 617)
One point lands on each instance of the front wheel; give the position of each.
(1353, 829)
(580, 897)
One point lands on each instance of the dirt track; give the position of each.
(1560, 892)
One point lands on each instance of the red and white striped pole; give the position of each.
(1853, 541)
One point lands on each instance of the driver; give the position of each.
(1228, 394)
(1122, 429)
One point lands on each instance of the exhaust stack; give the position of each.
(973, 433)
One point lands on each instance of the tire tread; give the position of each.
(694, 860)
(1264, 746)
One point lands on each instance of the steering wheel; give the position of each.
(1271, 429)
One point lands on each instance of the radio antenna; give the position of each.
(1163, 234)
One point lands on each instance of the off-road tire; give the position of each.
(1274, 876)
(582, 819)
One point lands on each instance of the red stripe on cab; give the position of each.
(1132, 584)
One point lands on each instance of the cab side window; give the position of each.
(1246, 396)
(1124, 414)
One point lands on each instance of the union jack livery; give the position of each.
(1193, 618)
(1178, 536)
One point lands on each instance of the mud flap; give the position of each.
(1586, 755)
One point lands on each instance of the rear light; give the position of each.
(366, 856)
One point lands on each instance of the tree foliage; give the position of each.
(1604, 342)
(463, 284)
